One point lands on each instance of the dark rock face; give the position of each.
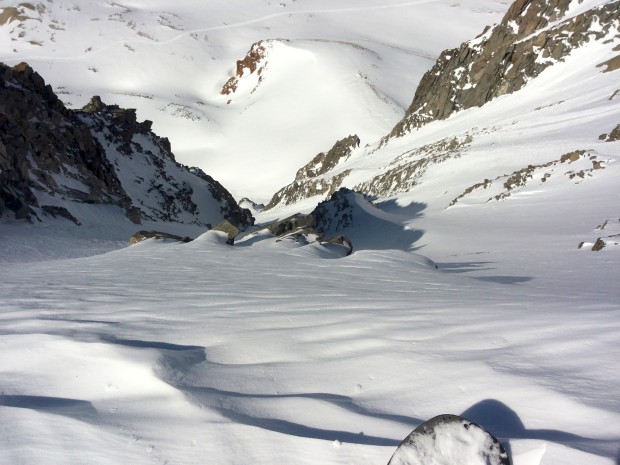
(52, 157)
(334, 214)
(41, 142)
(329, 215)
(231, 230)
(307, 180)
(531, 37)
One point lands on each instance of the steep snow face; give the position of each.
(276, 351)
(342, 68)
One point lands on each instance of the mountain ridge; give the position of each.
(533, 37)
(53, 159)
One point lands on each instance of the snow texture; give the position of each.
(277, 351)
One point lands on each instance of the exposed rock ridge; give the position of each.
(168, 190)
(254, 62)
(531, 37)
(308, 181)
(52, 158)
(41, 142)
(230, 209)
(326, 222)
(408, 169)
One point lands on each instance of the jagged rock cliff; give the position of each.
(52, 159)
(253, 64)
(532, 36)
(47, 154)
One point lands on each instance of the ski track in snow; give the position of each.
(222, 28)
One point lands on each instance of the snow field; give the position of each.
(291, 352)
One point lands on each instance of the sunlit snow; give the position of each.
(274, 351)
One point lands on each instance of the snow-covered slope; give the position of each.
(266, 352)
(560, 97)
(342, 68)
(476, 286)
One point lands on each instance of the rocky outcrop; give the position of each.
(19, 13)
(162, 236)
(254, 62)
(532, 36)
(231, 229)
(574, 166)
(324, 223)
(609, 242)
(407, 170)
(308, 181)
(53, 158)
(613, 136)
(160, 187)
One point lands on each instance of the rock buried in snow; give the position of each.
(450, 440)
(143, 235)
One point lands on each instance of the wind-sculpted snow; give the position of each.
(483, 274)
(169, 352)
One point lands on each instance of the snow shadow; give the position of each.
(235, 406)
(141, 344)
(504, 423)
(74, 408)
(405, 212)
(174, 358)
(383, 226)
(467, 267)
(463, 267)
(504, 279)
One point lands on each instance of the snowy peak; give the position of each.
(533, 36)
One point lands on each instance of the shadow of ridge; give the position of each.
(504, 279)
(409, 212)
(149, 344)
(73, 408)
(213, 397)
(303, 431)
(503, 422)
(463, 267)
(77, 320)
